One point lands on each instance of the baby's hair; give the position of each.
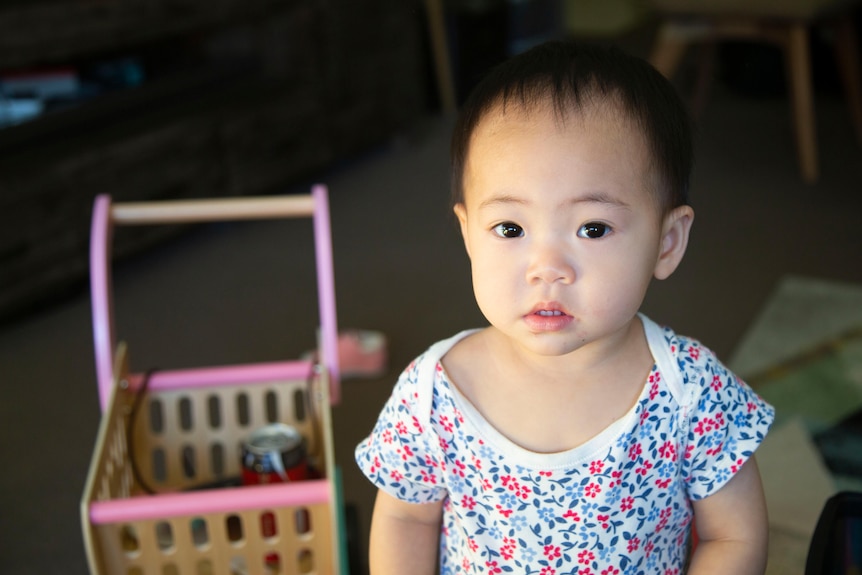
(573, 77)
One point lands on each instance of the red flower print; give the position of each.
(611, 571)
(473, 545)
(416, 424)
(716, 383)
(444, 445)
(715, 450)
(376, 465)
(585, 557)
(705, 425)
(546, 473)
(468, 502)
(644, 469)
(596, 466)
(653, 390)
(405, 452)
(662, 483)
(592, 490)
(461, 466)
(428, 477)
(572, 514)
(616, 475)
(477, 463)
(447, 425)
(694, 352)
(465, 563)
(634, 544)
(547, 570)
(627, 503)
(604, 520)
(387, 436)
(648, 548)
(401, 428)
(736, 466)
(668, 451)
(688, 451)
(503, 511)
(635, 451)
(507, 551)
(552, 552)
(493, 567)
(751, 406)
(396, 475)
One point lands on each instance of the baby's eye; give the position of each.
(594, 230)
(508, 230)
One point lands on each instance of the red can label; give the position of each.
(274, 454)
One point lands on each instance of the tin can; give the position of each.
(275, 453)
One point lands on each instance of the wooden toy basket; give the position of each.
(155, 500)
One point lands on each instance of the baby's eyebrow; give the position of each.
(502, 199)
(600, 198)
(588, 198)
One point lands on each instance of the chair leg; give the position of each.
(847, 54)
(439, 46)
(802, 97)
(668, 50)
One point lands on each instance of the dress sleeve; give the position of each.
(400, 455)
(726, 421)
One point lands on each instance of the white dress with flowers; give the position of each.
(618, 504)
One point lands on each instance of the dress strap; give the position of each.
(659, 346)
(426, 374)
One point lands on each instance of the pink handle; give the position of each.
(326, 290)
(149, 507)
(101, 234)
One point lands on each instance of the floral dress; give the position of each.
(618, 504)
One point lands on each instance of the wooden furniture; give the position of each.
(782, 22)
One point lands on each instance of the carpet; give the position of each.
(803, 354)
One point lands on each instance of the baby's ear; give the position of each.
(674, 240)
(461, 212)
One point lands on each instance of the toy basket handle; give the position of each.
(106, 215)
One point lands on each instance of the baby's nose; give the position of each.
(550, 264)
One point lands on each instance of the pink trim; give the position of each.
(150, 507)
(101, 233)
(326, 289)
(225, 375)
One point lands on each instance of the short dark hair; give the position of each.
(569, 74)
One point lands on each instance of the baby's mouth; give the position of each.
(549, 313)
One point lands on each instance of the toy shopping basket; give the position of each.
(155, 501)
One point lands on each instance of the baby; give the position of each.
(573, 434)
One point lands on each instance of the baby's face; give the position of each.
(561, 229)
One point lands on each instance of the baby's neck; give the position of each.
(549, 404)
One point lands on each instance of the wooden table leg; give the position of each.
(802, 99)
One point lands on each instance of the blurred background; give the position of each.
(181, 99)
